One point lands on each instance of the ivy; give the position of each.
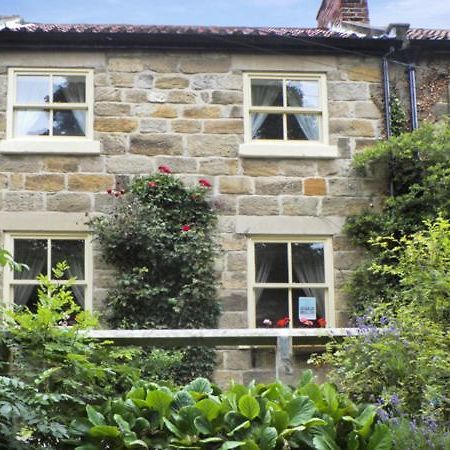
(159, 236)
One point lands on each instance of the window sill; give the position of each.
(287, 150)
(60, 146)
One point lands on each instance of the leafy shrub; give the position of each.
(420, 169)
(53, 370)
(200, 416)
(159, 237)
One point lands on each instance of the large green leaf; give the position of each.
(201, 385)
(381, 438)
(242, 426)
(124, 426)
(173, 428)
(325, 442)
(203, 425)
(300, 410)
(132, 442)
(250, 444)
(268, 438)
(94, 416)
(159, 401)
(182, 398)
(365, 420)
(104, 431)
(231, 444)
(331, 398)
(280, 420)
(248, 406)
(209, 407)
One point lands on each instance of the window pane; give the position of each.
(26, 296)
(71, 251)
(32, 89)
(272, 304)
(267, 92)
(308, 262)
(308, 305)
(33, 253)
(31, 123)
(303, 127)
(271, 263)
(69, 123)
(267, 126)
(69, 89)
(302, 94)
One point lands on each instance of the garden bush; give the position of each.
(159, 237)
(259, 416)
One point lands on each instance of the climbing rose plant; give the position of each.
(159, 236)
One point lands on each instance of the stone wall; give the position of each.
(185, 110)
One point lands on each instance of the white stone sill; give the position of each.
(52, 146)
(288, 150)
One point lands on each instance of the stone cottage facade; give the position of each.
(271, 117)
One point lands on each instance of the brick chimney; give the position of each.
(335, 12)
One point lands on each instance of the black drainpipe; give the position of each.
(413, 96)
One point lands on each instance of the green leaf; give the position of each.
(104, 431)
(365, 420)
(242, 426)
(173, 428)
(159, 400)
(132, 442)
(94, 416)
(324, 442)
(250, 444)
(124, 426)
(209, 407)
(202, 425)
(88, 447)
(353, 441)
(331, 398)
(248, 406)
(201, 385)
(268, 438)
(280, 420)
(381, 438)
(300, 410)
(182, 398)
(231, 444)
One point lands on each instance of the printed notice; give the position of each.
(307, 308)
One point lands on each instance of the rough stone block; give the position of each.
(235, 185)
(367, 110)
(236, 261)
(114, 124)
(90, 183)
(202, 112)
(348, 91)
(93, 164)
(114, 143)
(278, 186)
(224, 378)
(153, 126)
(20, 163)
(135, 95)
(23, 201)
(315, 186)
(233, 320)
(157, 96)
(213, 145)
(160, 62)
(157, 144)
(119, 79)
(205, 63)
(334, 168)
(226, 97)
(186, 126)
(260, 167)
(112, 109)
(225, 204)
(341, 109)
(255, 205)
(224, 126)
(144, 80)
(61, 164)
(181, 97)
(299, 206)
(133, 164)
(125, 64)
(16, 181)
(343, 206)
(68, 202)
(177, 164)
(107, 94)
(171, 82)
(237, 359)
(365, 72)
(218, 166)
(164, 111)
(353, 127)
(44, 182)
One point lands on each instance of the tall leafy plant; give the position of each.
(159, 236)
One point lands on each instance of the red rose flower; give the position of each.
(283, 323)
(204, 182)
(321, 322)
(152, 184)
(185, 227)
(117, 194)
(165, 169)
(109, 191)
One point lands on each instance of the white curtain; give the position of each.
(73, 90)
(262, 95)
(309, 126)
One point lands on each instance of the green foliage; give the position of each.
(404, 349)
(420, 170)
(159, 237)
(54, 370)
(256, 417)
(399, 120)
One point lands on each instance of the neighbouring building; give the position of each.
(270, 116)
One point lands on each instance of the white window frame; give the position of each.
(8, 274)
(328, 284)
(286, 148)
(50, 144)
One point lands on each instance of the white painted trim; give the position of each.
(278, 149)
(58, 145)
(328, 286)
(8, 280)
(289, 225)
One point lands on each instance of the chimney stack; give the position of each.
(338, 12)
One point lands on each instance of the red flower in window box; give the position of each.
(204, 183)
(185, 228)
(321, 322)
(283, 323)
(306, 322)
(152, 184)
(165, 169)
